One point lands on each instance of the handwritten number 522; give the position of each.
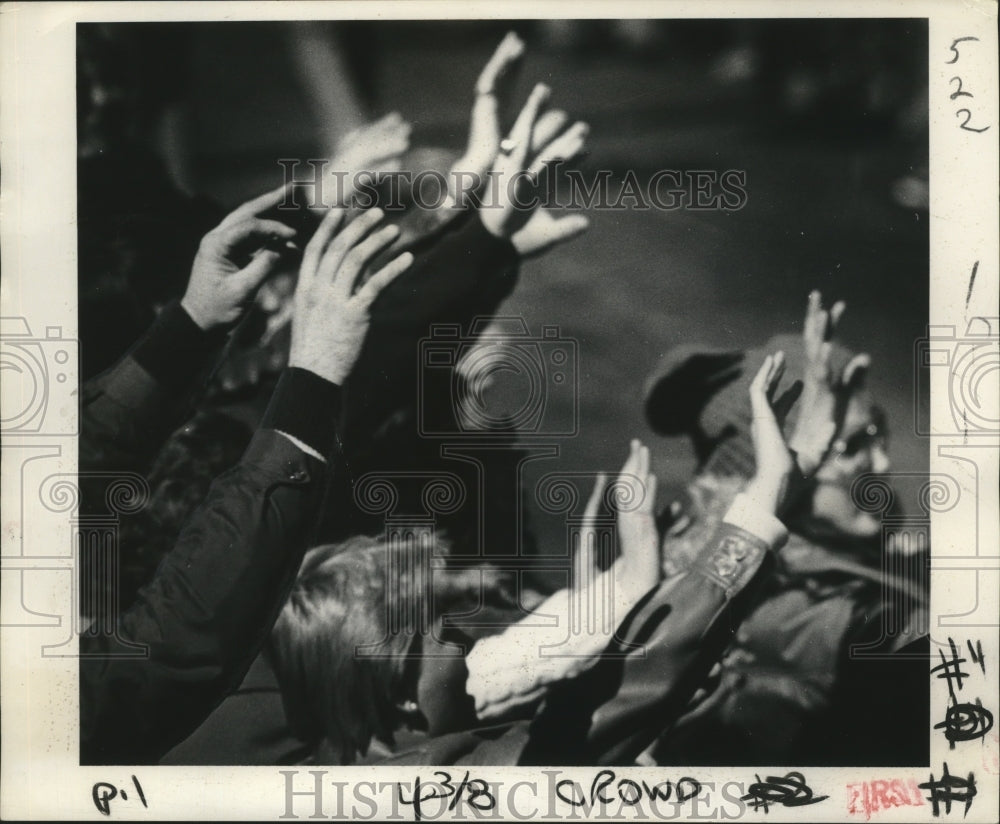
(960, 92)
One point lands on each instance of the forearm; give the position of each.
(664, 649)
(465, 275)
(128, 412)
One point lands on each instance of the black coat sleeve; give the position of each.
(127, 412)
(194, 631)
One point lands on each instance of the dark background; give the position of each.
(827, 118)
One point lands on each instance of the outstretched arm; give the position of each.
(128, 412)
(214, 598)
(670, 641)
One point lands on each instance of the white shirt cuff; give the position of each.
(747, 515)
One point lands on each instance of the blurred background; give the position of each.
(179, 122)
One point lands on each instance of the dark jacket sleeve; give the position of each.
(465, 274)
(661, 654)
(194, 631)
(128, 412)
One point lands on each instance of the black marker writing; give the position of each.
(950, 788)
(789, 791)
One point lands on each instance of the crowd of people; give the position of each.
(277, 622)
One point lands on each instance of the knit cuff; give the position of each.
(305, 406)
(176, 349)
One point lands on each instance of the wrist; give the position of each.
(202, 317)
(765, 491)
(492, 222)
(335, 373)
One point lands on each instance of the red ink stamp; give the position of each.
(867, 797)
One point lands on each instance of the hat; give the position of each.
(703, 392)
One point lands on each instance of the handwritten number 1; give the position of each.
(965, 123)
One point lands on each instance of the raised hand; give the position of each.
(331, 316)
(544, 230)
(770, 485)
(510, 199)
(825, 391)
(374, 147)
(233, 260)
(638, 568)
(485, 131)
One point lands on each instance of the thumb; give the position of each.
(264, 264)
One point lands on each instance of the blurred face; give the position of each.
(860, 448)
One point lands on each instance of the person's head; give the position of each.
(702, 393)
(346, 647)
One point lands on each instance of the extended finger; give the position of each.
(250, 234)
(506, 54)
(358, 258)
(758, 385)
(856, 369)
(649, 497)
(318, 242)
(348, 238)
(564, 147)
(642, 464)
(264, 263)
(774, 375)
(382, 278)
(569, 227)
(548, 125)
(835, 315)
(583, 561)
(520, 135)
(812, 331)
(259, 204)
(628, 468)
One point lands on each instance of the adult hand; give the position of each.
(510, 199)
(825, 392)
(637, 569)
(544, 230)
(769, 486)
(233, 260)
(493, 89)
(331, 317)
(375, 147)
